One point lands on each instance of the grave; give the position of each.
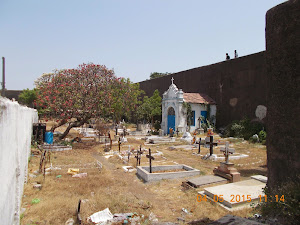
(187, 137)
(205, 181)
(143, 172)
(185, 147)
(57, 148)
(226, 168)
(236, 195)
(219, 157)
(158, 140)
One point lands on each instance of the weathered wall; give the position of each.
(15, 139)
(238, 85)
(283, 72)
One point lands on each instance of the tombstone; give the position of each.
(226, 168)
(150, 160)
(187, 137)
(226, 150)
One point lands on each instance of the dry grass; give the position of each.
(123, 192)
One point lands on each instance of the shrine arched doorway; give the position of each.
(171, 119)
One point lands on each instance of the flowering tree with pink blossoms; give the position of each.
(73, 96)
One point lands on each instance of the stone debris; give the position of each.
(70, 221)
(80, 175)
(37, 186)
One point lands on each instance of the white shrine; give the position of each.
(174, 113)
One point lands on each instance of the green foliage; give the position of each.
(243, 129)
(287, 211)
(125, 99)
(151, 107)
(157, 125)
(28, 97)
(262, 135)
(188, 111)
(157, 75)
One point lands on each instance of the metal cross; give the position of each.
(199, 145)
(138, 156)
(211, 145)
(150, 159)
(129, 153)
(226, 150)
(172, 80)
(119, 143)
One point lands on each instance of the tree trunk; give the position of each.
(62, 122)
(71, 125)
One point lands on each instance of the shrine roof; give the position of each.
(198, 98)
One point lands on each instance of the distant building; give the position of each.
(174, 114)
(10, 94)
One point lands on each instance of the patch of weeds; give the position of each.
(244, 128)
(283, 204)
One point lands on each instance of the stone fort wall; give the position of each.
(238, 86)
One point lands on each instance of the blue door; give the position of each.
(171, 119)
(204, 114)
(171, 123)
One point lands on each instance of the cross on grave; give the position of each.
(116, 128)
(199, 146)
(129, 153)
(150, 159)
(138, 156)
(211, 145)
(119, 144)
(172, 80)
(226, 150)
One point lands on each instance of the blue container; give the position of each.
(49, 137)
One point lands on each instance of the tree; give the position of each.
(74, 96)
(151, 107)
(125, 99)
(157, 75)
(28, 97)
(189, 113)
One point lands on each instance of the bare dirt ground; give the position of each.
(123, 192)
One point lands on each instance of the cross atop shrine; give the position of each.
(172, 80)
(226, 150)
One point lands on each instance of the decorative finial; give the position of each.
(172, 80)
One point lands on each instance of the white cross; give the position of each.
(226, 150)
(172, 80)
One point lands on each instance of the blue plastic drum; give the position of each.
(49, 137)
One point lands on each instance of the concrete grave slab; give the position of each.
(206, 180)
(185, 147)
(236, 195)
(261, 178)
(143, 172)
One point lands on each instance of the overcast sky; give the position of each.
(133, 37)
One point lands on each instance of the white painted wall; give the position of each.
(15, 139)
(173, 97)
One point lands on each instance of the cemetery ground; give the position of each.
(122, 192)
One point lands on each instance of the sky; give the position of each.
(133, 37)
